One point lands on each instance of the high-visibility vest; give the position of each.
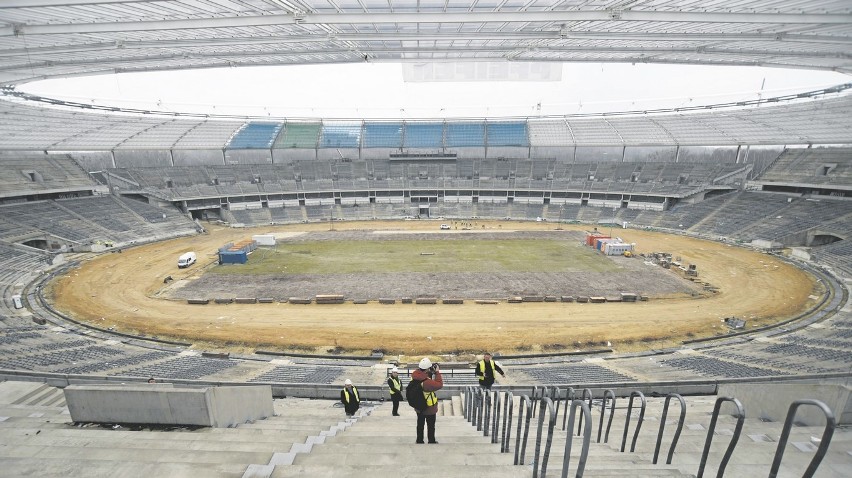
(397, 385)
(346, 394)
(482, 369)
(431, 398)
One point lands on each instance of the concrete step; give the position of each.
(116, 454)
(48, 466)
(122, 434)
(427, 467)
(153, 441)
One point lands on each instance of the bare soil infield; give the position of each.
(126, 291)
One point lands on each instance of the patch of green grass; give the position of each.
(462, 255)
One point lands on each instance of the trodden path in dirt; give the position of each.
(125, 291)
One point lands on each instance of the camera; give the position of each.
(434, 367)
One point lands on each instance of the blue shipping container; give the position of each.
(233, 257)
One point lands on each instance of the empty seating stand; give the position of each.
(255, 135)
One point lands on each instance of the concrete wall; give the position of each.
(232, 405)
(772, 400)
(166, 405)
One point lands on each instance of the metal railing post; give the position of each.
(556, 397)
(508, 406)
(638, 423)
(587, 438)
(586, 392)
(569, 397)
(495, 427)
(736, 436)
(534, 398)
(521, 449)
(467, 393)
(545, 402)
(486, 419)
(479, 409)
(607, 394)
(663, 426)
(828, 432)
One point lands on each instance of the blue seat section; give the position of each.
(465, 134)
(340, 135)
(255, 135)
(382, 135)
(506, 133)
(424, 135)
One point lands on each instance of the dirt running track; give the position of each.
(126, 291)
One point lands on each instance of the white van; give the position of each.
(186, 259)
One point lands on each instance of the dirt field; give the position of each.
(567, 268)
(126, 291)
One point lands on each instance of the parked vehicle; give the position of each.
(186, 259)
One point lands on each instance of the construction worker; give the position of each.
(485, 371)
(349, 397)
(395, 387)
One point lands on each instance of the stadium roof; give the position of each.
(53, 38)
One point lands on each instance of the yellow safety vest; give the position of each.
(431, 398)
(398, 385)
(482, 369)
(346, 394)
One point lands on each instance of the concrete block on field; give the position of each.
(168, 405)
(198, 301)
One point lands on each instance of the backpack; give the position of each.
(414, 395)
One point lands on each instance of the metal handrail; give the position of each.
(520, 450)
(736, 436)
(467, 393)
(495, 425)
(663, 426)
(607, 394)
(480, 408)
(556, 396)
(486, 411)
(570, 395)
(586, 391)
(545, 401)
(638, 423)
(587, 438)
(534, 398)
(508, 406)
(828, 432)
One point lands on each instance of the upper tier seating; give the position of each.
(828, 166)
(255, 135)
(25, 173)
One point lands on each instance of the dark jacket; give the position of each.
(396, 393)
(429, 385)
(485, 369)
(351, 401)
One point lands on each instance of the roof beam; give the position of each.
(468, 17)
(436, 36)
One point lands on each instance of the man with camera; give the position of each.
(429, 375)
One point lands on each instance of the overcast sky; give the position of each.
(378, 90)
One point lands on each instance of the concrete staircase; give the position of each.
(314, 438)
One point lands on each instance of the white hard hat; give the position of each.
(347, 382)
(394, 370)
(425, 363)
